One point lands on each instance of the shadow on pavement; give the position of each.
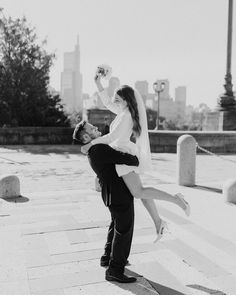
(163, 290)
(20, 199)
(208, 188)
(159, 289)
(207, 290)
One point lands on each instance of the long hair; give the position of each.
(127, 93)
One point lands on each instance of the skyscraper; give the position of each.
(114, 83)
(71, 81)
(167, 105)
(142, 88)
(180, 101)
(165, 94)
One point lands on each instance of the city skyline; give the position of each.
(183, 41)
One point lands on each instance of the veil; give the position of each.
(142, 142)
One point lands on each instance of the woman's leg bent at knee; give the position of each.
(134, 184)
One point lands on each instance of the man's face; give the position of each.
(91, 131)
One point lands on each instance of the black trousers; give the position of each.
(119, 237)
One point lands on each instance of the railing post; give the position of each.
(186, 160)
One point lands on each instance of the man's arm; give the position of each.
(105, 154)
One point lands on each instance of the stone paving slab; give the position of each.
(50, 292)
(51, 240)
(20, 287)
(227, 283)
(142, 287)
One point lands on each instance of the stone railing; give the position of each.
(35, 135)
(161, 141)
(214, 141)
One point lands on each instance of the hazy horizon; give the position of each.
(183, 41)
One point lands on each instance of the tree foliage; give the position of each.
(24, 78)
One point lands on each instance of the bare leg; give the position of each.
(133, 182)
(152, 210)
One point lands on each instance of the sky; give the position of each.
(183, 41)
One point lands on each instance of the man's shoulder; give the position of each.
(99, 148)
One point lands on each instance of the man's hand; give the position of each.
(85, 148)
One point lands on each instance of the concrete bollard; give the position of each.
(9, 186)
(186, 160)
(229, 191)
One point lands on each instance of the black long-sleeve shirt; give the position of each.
(102, 159)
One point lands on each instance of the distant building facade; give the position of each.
(167, 104)
(71, 81)
(114, 83)
(180, 101)
(142, 88)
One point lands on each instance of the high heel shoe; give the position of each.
(186, 204)
(161, 230)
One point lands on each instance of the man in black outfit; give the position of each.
(116, 197)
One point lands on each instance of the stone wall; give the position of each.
(35, 135)
(214, 141)
(161, 141)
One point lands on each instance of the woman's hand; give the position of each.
(85, 148)
(97, 80)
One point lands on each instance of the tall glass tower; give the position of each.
(71, 81)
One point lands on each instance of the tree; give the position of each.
(24, 78)
(151, 118)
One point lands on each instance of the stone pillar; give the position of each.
(186, 160)
(212, 121)
(229, 191)
(9, 186)
(227, 120)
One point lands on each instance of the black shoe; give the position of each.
(104, 261)
(119, 277)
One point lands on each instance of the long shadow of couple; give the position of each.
(144, 286)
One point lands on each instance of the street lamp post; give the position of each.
(227, 100)
(158, 87)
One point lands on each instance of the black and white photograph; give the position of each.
(117, 147)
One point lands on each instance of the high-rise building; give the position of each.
(142, 88)
(114, 83)
(180, 101)
(165, 94)
(167, 108)
(150, 100)
(71, 81)
(166, 104)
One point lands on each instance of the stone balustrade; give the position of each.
(161, 141)
(214, 141)
(35, 135)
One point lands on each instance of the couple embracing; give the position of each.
(118, 163)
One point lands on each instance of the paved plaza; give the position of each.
(52, 237)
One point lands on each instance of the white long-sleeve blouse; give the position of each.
(120, 133)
